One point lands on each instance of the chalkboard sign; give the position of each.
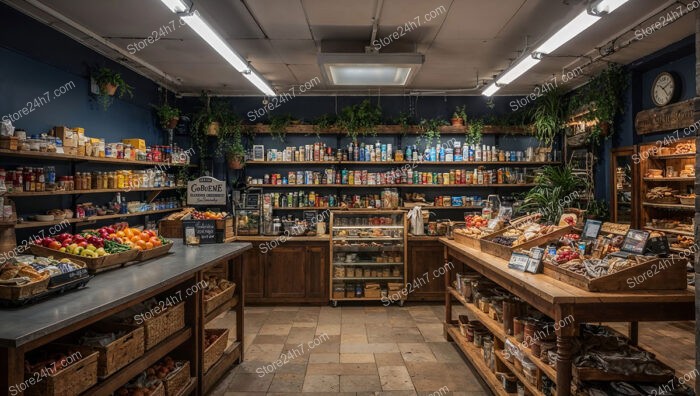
(591, 230)
(659, 245)
(204, 229)
(635, 242)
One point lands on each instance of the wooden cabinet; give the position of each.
(294, 272)
(426, 257)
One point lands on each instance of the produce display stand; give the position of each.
(559, 301)
(35, 326)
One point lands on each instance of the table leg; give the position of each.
(13, 360)
(448, 296)
(634, 333)
(239, 271)
(566, 332)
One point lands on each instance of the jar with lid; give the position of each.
(40, 180)
(119, 180)
(77, 178)
(87, 180)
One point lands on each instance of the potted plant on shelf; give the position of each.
(474, 132)
(168, 116)
(109, 82)
(459, 117)
(324, 123)
(548, 117)
(361, 119)
(206, 122)
(230, 143)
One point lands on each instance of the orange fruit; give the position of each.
(135, 239)
(141, 244)
(121, 234)
(149, 245)
(137, 247)
(145, 236)
(155, 241)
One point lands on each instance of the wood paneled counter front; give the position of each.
(176, 274)
(564, 303)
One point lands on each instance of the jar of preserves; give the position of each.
(119, 180)
(87, 180)
(77, 179)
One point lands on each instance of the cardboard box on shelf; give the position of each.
(67, 135)
(138, 144)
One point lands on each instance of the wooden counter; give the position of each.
(31, 327)
(560, 301)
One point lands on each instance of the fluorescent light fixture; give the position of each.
(491, 89)
(258, 81)
(521, 67)
(209, 35)
(361, 69)
(607, 6)
(176, 5)
(353, 74)
(582, 22)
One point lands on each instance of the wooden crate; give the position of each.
(170, 228)
(177, 380)
(25, 291)
(70, 381)
(227, 226)
(216, 350)
(119, 352)
(160, 327)
(155, 252)
(654, 274)
(94, 265)
(473, 243)
(504, 252)
(221, 298)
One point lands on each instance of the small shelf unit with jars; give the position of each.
(368, 255)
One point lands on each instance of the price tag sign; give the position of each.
(519, 261)
(206, 191)
(536, 255)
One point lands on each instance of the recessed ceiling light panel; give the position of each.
(369, 69)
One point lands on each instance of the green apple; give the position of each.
(62, 250)
(91, 247)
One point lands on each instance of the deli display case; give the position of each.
(368, 256)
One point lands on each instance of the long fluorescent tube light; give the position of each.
(524, 65)
(175, 5)
(209, 35)
(608, 6)
(583, 21)
(491, 89)
(259, 82)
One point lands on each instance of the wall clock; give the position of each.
(665, 89)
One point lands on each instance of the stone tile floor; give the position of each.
(370, 350)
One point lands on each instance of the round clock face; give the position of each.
(663, 90)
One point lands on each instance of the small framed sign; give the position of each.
(534, 265)
(258, 152)
(591, 230)
(519, 261)
(635, 242)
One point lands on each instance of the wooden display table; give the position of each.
(562, 302)
(176, 274)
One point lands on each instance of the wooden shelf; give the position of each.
(389, 163)
(392, 185)
(305, 129)
(476, 358)
(40, 224)
(671, 231)
(497, 330)
(81, 192)
(190, 388)
(82, 158)
(673, 156)
(669, 179)
(133, 369)
(375, 278)
(225, 307)
(401, 207)
(364, 264)
(521, 377)
(358, 299)
(669, 206)
(222, 366)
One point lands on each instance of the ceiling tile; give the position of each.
(296, 51)
(281, 19)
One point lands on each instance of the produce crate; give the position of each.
(170, 228)
(25, 291)
(119, 352)
(504, 252)
(155, 252)
(221, 298)
(94, 264)
(473, 243)
(177, 380)
(595, 374)
(215, 350)
(70, 381)
(68, 277)
(654, 274)
(160, 327)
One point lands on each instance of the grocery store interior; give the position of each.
(357, 197)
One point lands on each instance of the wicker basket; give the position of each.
(178, 380)
(70, 381)
(159, 391)
(31, 289)
(665, 200)
(686, 200)
(221, 298)
(119, 352)
(215, 350)
(160, 327)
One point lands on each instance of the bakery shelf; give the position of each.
(125, 374)
(368, 226)
(669, 179)
(82, 158)
(522, 185)
(671, 231)
(377, 239)
(669, 206)
(365, 264)
(475, 357)
(673, 156)
(374, 278)
(40, 224)
(81, 192)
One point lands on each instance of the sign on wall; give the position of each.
(206, 191)
(668, 118)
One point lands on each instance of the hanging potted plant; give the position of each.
(459, 117)
(109, 82)
(548, 117)
(361, 119)
(474, 132)
(605, 94)
(168, 116)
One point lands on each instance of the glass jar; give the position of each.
(119, 180)
(77, 178)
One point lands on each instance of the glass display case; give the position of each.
(368, 255)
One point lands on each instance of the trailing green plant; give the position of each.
(404, 120)
(430, 130)
(324, 123)
(548, 117)
(166, 114)
(360, 119)
(279, 124)
(201, 121)
(603, 96)
(104, 77)
(474, 132)
(461, 112)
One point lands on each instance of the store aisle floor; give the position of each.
(349, 350)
